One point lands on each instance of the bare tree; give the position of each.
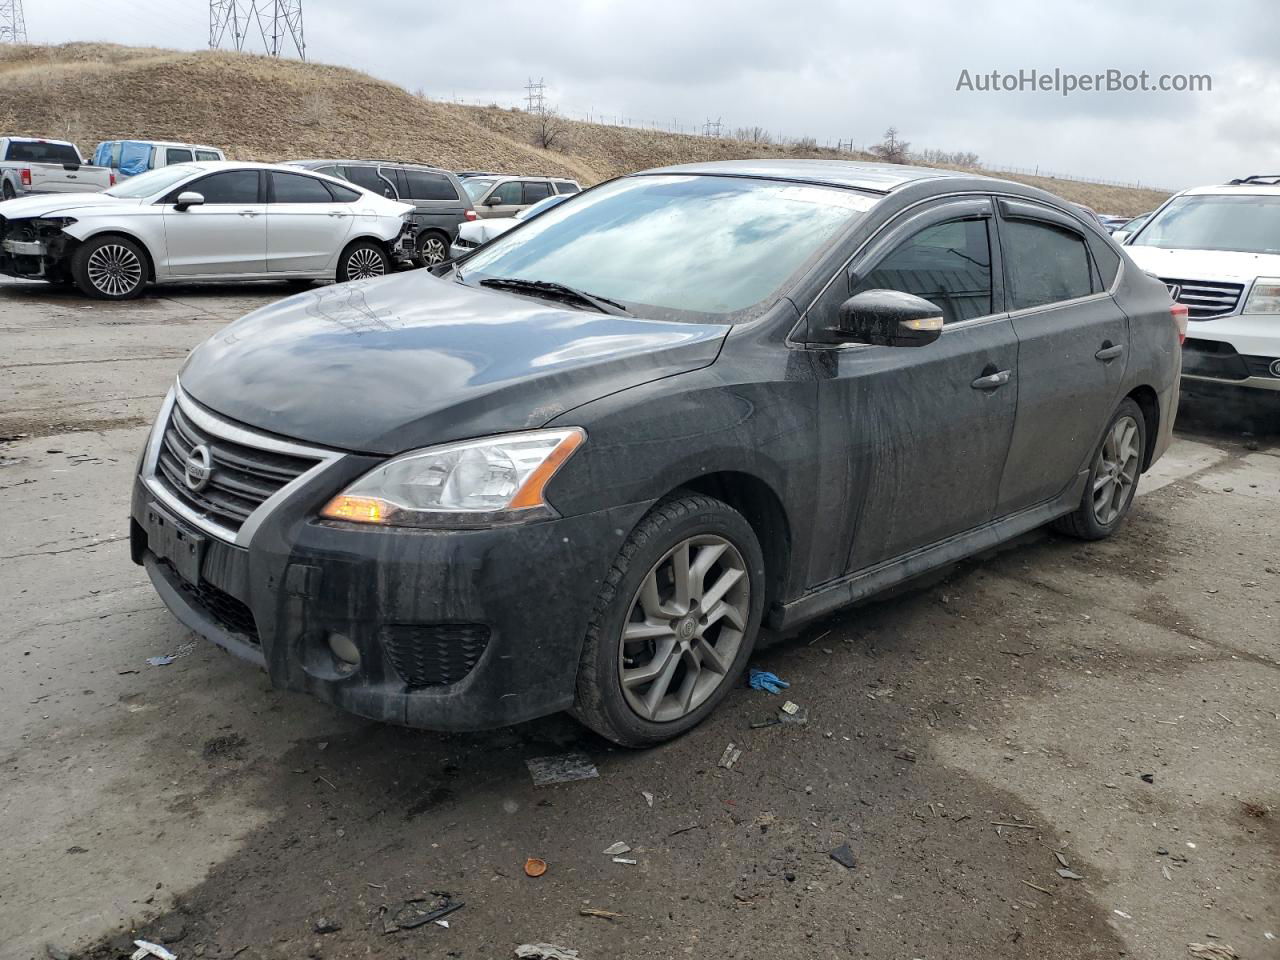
(953, 158)
(891, 149)
(801, 144)
(753, 135)
(549, 129)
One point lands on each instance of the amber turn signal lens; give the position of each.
(355, 509)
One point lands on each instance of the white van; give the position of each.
(128, 158)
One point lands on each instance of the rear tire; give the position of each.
(432, 248)
(363, 260)
(110, 268)
(682, 651)
(8, 191)
(1113, 477)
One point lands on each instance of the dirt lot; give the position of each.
(966, 739)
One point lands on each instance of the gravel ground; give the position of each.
(1109, 709)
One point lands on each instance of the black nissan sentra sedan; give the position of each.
(580, 468)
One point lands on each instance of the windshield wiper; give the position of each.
(558, 291)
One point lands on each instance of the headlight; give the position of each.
(1264, 297)
(471, 484)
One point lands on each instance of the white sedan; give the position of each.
(471, 235)
(203, 221)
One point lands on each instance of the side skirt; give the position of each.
(864, 583)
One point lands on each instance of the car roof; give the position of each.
(39, 140)
(1248, 189)
(381, 163)
(499, 177)
(874, 177)
(165, 143)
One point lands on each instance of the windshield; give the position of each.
(154, 181)
(687, 244)
(42, 152)
(1243, 223)
(476, 187)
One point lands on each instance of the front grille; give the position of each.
(433, 655)
(243, 476)
(1207, 299)
(229, 612)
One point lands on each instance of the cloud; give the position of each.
(823, 68)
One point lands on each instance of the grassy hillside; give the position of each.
(258, 108)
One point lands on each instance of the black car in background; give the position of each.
(440, 203)
(581, 467)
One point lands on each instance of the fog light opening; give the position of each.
(344, 651)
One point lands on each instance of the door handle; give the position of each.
(248, 213)
(334, 213)
(992, 381)
(1109, 351)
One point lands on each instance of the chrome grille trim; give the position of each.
(1207, 299)
(241, 495)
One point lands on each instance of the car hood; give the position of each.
(388, 365)
(1224, 265)
(58, 204)
(478, 231)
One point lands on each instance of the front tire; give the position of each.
(110, 268)
(1113, 478)
(674, 624)
(363, 260)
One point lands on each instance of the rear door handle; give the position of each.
(335, 213)
(248, 213)
(992, 380)
(1109, 351)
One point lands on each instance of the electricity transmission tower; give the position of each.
(534, 96)
(278, 23)
(13, 27)
(711, 128)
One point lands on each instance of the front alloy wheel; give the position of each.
(685, 627)
(674, 623)
(111, 268)
(431, 250)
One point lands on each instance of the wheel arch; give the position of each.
(1148, 402)
(123, 235)
(763, 509)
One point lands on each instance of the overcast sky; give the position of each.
(831, 69)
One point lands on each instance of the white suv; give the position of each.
(1218, 251)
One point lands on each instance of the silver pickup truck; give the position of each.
(31, 166)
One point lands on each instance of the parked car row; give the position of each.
(127, 219)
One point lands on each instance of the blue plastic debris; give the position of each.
(766, 681)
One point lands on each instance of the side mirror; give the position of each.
(889, 318)
(494, 201)
(189, 198)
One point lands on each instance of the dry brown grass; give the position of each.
(257, 108)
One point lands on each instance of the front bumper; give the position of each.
(456, 630)
(1238, 351)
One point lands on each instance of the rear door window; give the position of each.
(295, 188)
(424, 185)
(535, 190)
(563, 186)
(1044, 263)
(948, 264)
(368, 178)
(207, 155)
(176, 155)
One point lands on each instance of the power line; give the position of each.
(13, 25)
(278, 23)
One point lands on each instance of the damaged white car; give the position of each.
(204, 221)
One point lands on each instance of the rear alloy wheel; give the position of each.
(1113, 478)
(674, 624)
(363, 260)
(433, 248)
(112, 268)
